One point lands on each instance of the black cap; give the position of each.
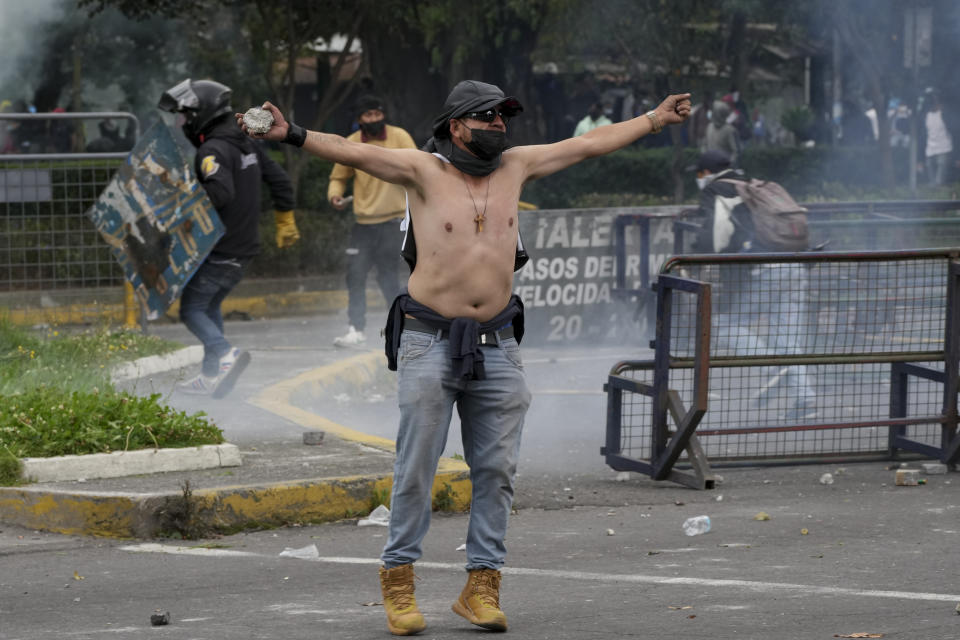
(473, 95)
(713, 161)
(368, 102)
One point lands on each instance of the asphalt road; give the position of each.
(590, 554)
(875, 558)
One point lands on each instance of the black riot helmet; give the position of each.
(202, 103)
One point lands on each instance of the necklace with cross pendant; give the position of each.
(481, 216)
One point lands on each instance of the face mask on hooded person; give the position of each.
(481, 101)
(486, 144)
(705, 180)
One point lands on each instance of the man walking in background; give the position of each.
(378, 207)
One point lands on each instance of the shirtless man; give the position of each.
(453, 339)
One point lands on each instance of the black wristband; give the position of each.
(296, 135)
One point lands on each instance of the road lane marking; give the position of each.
(748, 585)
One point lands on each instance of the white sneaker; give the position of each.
(199, 385)
(352, 338)
(231, 366)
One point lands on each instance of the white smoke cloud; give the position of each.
(21, 24)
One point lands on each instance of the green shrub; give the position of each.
(798, 121)
(46, 422)
(56, 398)
(11, 469)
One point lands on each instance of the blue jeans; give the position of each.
(778, 292)
(491, 417)
(938, 168)
(372, 245)
(200, 309)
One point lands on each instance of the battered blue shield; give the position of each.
(157, 219)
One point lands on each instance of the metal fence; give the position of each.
(836, 226)
(54, 268)
(792, 357)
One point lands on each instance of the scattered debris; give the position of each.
(313, 437)
(763, 515)
(804, 532)
(462, 547)
(77, 576)
(907, 477)
(682, 608)
(160, 618)
(826, 479)
(934, 468)
(379, 517)
(696, 525)
(304, 553)
(859, 635)
(623, 476)
(611, 532)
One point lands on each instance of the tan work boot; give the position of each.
(479, 602)
(403, 617)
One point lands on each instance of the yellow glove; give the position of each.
(287, 233)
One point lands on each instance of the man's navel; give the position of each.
(448, 227)
(510, 223)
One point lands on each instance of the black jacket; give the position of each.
(231, 166)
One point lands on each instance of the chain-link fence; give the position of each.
(54, 267)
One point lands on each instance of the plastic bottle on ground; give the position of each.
(696, 525)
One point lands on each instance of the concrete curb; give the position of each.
(223, 510)
(128, 463)
(151, 365)
(230, 509)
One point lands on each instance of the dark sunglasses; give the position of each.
(488, 115)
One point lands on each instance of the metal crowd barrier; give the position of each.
(840, 226)
(54, 267)
(790, 358)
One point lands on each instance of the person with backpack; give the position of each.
(761, 309)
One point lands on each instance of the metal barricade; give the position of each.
(54, 267)
(839, 226)
(788, 358)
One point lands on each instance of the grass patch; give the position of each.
(48, 422)
(10, 469)
(56, 398)
(69, 360)
(445, 498)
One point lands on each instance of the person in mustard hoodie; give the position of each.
(378, 208)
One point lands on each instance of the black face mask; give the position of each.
(486, 144)
(466, 162)
(373, 129)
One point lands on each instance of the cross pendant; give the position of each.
(479, 220)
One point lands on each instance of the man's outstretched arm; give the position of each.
(542, 160)
(397, 166)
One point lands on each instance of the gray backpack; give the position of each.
(780, 224)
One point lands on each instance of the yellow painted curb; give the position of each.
(358, 371)
(117, 515)
(218, 510)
